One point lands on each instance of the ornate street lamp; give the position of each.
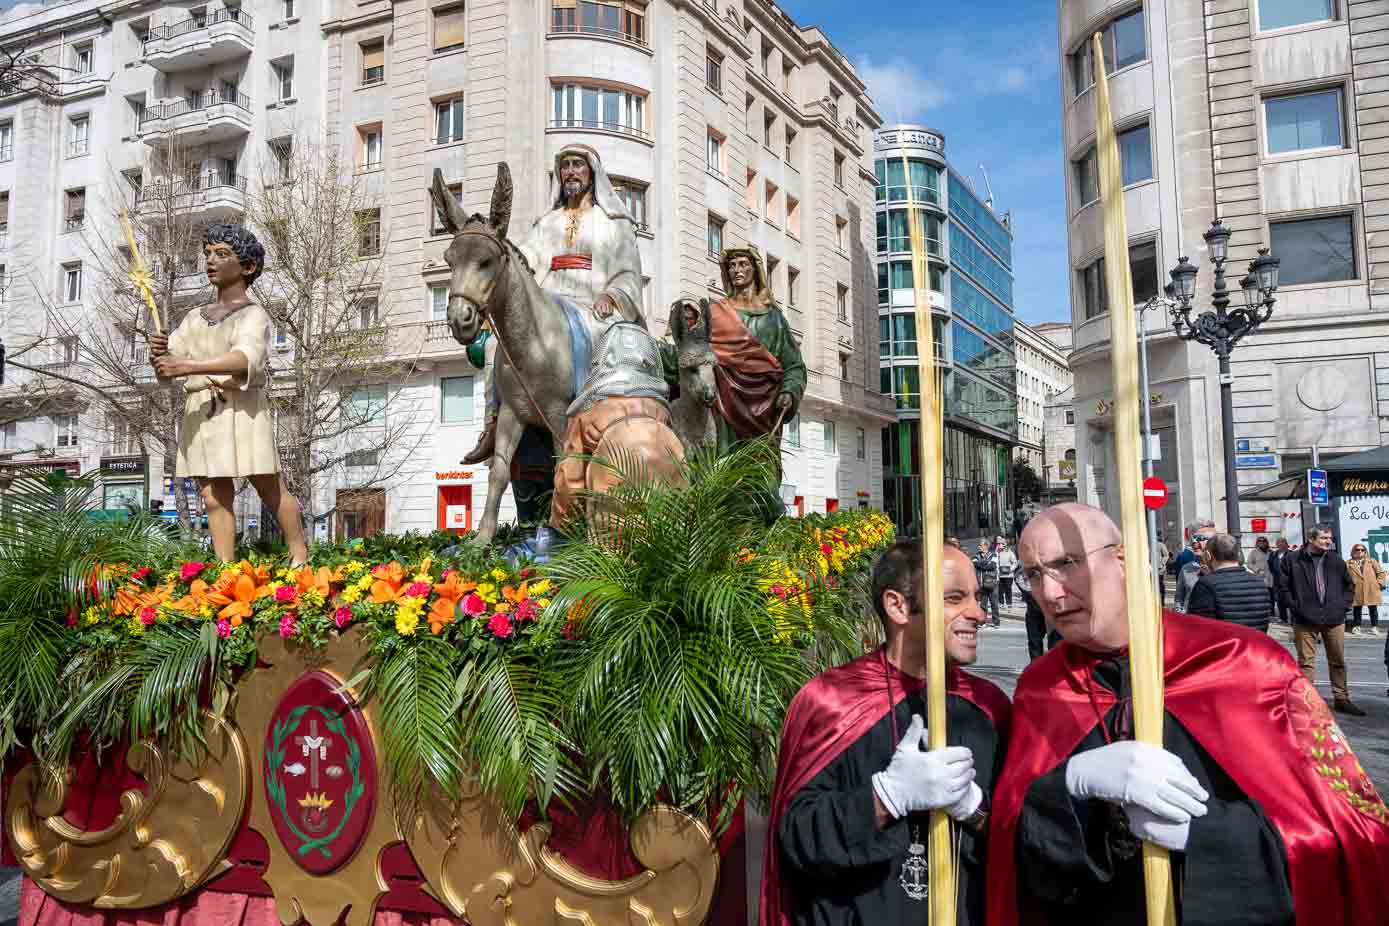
(1222, 329)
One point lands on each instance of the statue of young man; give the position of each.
(584, 250)
(760, 374)
(220, 353)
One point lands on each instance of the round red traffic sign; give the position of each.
(1154, 492)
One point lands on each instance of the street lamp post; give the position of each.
(1222, 329)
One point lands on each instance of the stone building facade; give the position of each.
(1043, 372)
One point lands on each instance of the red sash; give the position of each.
(571, 262)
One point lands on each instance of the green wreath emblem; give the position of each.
(276, 792)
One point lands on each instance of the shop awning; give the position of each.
(1286, 489)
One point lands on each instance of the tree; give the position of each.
(1027, 483)
(26, 70)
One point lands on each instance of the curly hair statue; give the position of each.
(240, 239)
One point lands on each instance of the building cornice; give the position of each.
(375, 17)
(728, 30)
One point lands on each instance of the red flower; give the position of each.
(286, 593)
(72, 617)
(190, 571)
(500, 625)
(527, 610)
(826, 549)
(571, 631)
(140, 574)
(417, 589)
(342, 617)
(148, 615)
(525, 573)
(473, 605)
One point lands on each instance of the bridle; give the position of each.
(485, 310)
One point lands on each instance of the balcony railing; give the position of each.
(604, 126)
(78, 147)
(73, 222)
(187, 184)
(624, 35)
(183, 27)
(196, 103)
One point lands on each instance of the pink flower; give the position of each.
(342, 617)
(417, 589)
(527, 610)
(190, 571)
(779, 591)
(72, 618)
(148, 615)
(826, 549)
(500, 625)
(473, 605)
(224, 629)
(571, 631)
(525, 573)
(286, 593)
(140, 574)
(287, 626)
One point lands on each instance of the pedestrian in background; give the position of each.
(1276, 560)
(1368, 576)
(1228, 591)
(1189, 562)
(986, 568)
(1036, 623)
(1317, 587)
(1258, 564)
(1164, 558)
(1007, 563)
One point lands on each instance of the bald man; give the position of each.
(1269, 818)
(855, 782)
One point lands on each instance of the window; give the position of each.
(449, 28)
(362, 458)
(633, 197)
(841, 233)
(79, 135)
(1143, 272)
(137, 112)
(580, 107)
(289, 9)
(1135, 164)
(1304, 121)
(793, 432)
(773, 215)
(373, 62)
(768, 124)
(4, 284)
(831, 439)
(1320, 250)
(366, 406)
(283, 72)
(790, 145)
(750, 192)
(625, 20)
(1276, 14)
(72, 282)
(455, 399)
(713, 153)
(6, 141)
(894, 231)
(793, 216)
(788, 78)
(772, 264)
(368, 312)
(860, 444)
(74, 209)
(844, 367)
(82, 58)
(839, 170)
(714, 234)
(1070, 419)
(282, 151)
(448, 121)
(766, 58)
(64, 430)
(9, 436)
(1124, 41)
(65, 350)
(906, 386)
(713, 71)
(793, 285)
(439, 302)
(841, 301)
(368, 232)
(371, 144)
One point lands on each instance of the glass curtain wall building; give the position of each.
(970, 287)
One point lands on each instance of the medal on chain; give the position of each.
(914, 870)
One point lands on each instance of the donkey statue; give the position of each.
(534, 367)
(693, 412)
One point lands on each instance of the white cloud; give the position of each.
(900, 90)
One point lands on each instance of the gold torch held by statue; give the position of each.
(1145, 617)
(139, 274)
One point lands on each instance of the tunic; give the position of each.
(843, 869)
(234, 435)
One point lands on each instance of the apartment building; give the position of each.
(1042, 373)
(969, 248)
(719, 124)
(1266, 114)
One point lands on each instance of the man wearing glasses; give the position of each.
(1188, 562)
(1255, 791)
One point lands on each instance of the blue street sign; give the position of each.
(1256, 461)
(1318, 492)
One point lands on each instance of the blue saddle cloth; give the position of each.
(580, 340)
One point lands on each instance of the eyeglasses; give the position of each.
(1063, 569)
(1200, 538)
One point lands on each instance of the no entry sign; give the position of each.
(1154, 492)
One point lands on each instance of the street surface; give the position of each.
(1002, 657)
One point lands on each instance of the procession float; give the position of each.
(427, 729)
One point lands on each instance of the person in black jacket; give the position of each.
(1315, 585)
(1228, 591)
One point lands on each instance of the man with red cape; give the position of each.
(855, 783)
(1267, 814)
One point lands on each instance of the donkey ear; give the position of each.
(500, 216)
(677, 321)
(448, 208)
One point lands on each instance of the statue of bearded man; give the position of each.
(583, 250)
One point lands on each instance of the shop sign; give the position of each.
(124, 466)
(454, 474)
(1369, 482)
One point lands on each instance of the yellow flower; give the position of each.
(351, 594)
(406, 623)
(487, 592)
(134, 625)
(498, 574)
(170, 576)
(92, 615)
(539, 588)
(365, 582)
(542, 602)
(287, 575)
(355, 567)
(205, 611)
(314, 597)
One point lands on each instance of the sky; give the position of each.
(989, 80)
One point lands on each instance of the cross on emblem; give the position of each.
(315, 748)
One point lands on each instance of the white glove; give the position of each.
(919, 780)
(1137, 773)
(964, 808)
(1150, 827)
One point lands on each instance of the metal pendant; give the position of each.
(914, 870)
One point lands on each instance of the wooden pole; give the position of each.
(1145, 618)
(940, 859)
(139, 273)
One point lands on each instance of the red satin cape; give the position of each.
(1243, 698)
(827, 716)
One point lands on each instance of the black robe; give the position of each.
(1234, 871)
(847, 871)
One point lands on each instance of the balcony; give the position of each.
(200, 119)
(203, 40)
(211, 196)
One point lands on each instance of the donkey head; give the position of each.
(477, 256)
(690, 328)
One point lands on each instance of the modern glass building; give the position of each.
(970, 249)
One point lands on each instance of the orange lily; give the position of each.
(195, 599)
(261, 574)
(126, 601)
(322, 580)
(386, 588)
(453, 587)
(236, 607)
(442, 613)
